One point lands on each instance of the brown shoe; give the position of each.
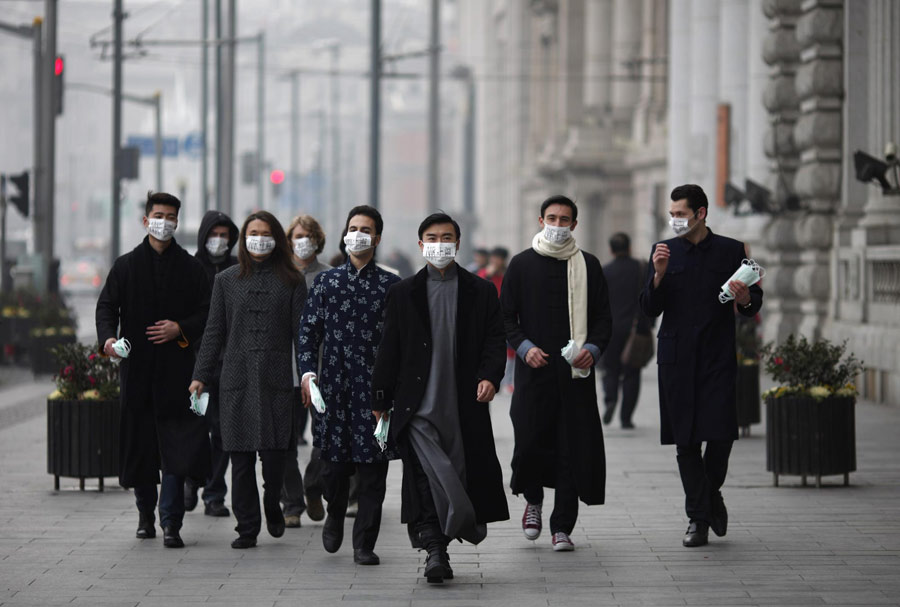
(292, 521)
(315, 509)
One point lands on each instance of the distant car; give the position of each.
(80, 276)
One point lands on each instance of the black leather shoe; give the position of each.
(608, 415)
(171, 538)
(216, 509)
(697, 534)
(275, 528)
(190, 495)
(719, 522)
(146, 526)
(364, 556)
(243, 541)
(627, 426)
(315, 509)
(332, 533)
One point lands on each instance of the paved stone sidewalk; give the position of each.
(790, 545)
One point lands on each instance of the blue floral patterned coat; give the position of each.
(345, 312)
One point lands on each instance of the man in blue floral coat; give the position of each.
(345, 313)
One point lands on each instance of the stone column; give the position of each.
(704, 93)
(782, 53)
(598, 59)
(626, 49)
(679, 70)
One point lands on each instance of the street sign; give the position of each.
(193, 144)
(147, 145)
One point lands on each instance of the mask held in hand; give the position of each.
(382, 430)
(748, 273)
(122, 348)
(199, 405)
(570, 352)
(316, 396)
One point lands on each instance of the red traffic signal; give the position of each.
(58, 66)
(276, 177)
(58, 84)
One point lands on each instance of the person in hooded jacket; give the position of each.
(216, 238)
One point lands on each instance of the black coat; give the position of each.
(401, 374)
(696, 348)
(210, 220)
(158, 430)
(534, 297)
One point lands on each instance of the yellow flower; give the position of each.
(24, 313)
(819, 392)
(67, 331)
(9, 311)
(55, 395)
(50, 331)
(90, 395)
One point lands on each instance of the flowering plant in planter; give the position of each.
(84, 374)
(818, 369)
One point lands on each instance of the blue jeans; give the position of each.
(171, 500)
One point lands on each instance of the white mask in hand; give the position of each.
(748, 273)
(358, 242)
(439, 254)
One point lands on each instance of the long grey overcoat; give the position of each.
(256, 321)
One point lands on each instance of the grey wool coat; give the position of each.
(255, 323)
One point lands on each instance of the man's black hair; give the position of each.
(436, 218)
(619, 243)
(500, 252)
(560, 199)
(481, 251)
(368, 211)
(160, 198)
(694, 194)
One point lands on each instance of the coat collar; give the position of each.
(464, 296)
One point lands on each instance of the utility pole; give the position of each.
(335, 135)
(225, 143)
(375, 104)
(4, 275)
(295, 139)
(118, 17)
(260, 115)
(38, 119)
(204, 105)
(434, 126)
(220, 94)
(157, 106)
(48, 148)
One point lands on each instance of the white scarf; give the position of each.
(576, 275)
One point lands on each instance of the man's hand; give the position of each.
(196, 386)
(536, 358)
(584, 360)
(486, 391)
(163, 331)
(378, 415)
(740, 291)
(304, 391)
(108, 348)
(660, 263)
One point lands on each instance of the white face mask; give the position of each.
(304, 248)
(261, 245)
(161, 229)
(216, 246)
(357, 242)
(557, 234)
(439, 254)
(680, 225)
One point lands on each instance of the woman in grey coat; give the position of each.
(254, 321)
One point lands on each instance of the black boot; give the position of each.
(146, 525)
(437, 564)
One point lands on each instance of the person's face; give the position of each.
(258, 227)
(218, 232)
(680, 209)
(439, 232)
(366, 225)
(481, 259)
(161, 211)
(300, 232)
(559, 215)
(497, 262)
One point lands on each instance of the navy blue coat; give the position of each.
(696, 347)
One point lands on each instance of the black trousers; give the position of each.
(565, 501)
(371, 485)
(292, 492)
(615, 374)
(702, 475)
(244, 492)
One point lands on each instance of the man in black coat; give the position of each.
(157, 297)
(554, 296)
(215, 240)
(625, 277)
(439, 364)
(696, 353)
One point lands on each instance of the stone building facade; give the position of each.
(616, 101)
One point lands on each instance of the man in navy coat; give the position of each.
(696, 353)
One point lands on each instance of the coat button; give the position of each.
(407, 408)
(418, 379)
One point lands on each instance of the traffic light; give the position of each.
(58, 83)
(21, 199)
(249, 168)
(277, 178)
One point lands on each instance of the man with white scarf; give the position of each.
(557, 318)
